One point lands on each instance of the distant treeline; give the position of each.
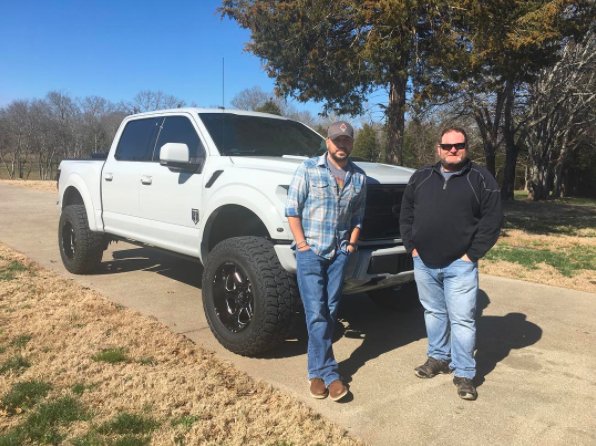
(35, 135)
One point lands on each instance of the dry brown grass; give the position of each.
(166, 377)
(48, 186)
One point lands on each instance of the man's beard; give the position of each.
(454, 167)
(338, 159)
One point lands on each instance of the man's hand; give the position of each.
(465, 258)
(351, 249)
(414, 253)
(304, 248)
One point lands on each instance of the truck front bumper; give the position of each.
(369, 268)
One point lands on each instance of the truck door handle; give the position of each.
(108, 176)
(146, 179)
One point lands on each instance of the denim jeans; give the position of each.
(449, 296)
(320, 283)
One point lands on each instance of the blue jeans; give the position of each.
(448, 296)
(320, 282)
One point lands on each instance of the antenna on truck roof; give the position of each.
(223, 84)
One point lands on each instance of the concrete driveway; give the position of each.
(536, 347)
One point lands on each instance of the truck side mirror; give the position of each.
(175, 154)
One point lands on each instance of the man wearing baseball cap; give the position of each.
(325, 208)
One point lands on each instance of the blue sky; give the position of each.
(115, 49)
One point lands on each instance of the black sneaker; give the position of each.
(465, 388)
(431, 368)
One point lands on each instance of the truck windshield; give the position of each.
(241, 135)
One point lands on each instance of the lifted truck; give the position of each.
(211, 185)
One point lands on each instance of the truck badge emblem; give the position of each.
(195, 216)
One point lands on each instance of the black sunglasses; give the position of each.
(458, 146)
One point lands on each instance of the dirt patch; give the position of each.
(164, 376)
(48, 186)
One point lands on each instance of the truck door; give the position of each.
(121, 177)
(170, 198)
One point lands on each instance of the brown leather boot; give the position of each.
(318, 389)
(337, 390)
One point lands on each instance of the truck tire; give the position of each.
(402, 298)
(250, 301)
(80, 248)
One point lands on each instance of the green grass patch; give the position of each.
(12, 438)
(111, 355)
(42, 426)
(10, 271)
(185, 421)
(126, 424)
(20, 341)
(2, 349)
(80, 388)
(90, 439)
(16, 364)
(24, 395)
(566, 262)
(131, 440)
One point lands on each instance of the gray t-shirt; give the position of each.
(338, 174)
(448, 175)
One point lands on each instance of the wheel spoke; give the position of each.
(68, 241)
(233, 297)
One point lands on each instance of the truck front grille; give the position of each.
(381, 219)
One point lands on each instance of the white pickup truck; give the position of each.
(211, 185)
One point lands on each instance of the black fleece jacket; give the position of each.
(444, 220)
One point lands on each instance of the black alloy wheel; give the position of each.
(233, 297)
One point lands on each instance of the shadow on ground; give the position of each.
(147, 259)
(380, 329)
(548, 217)
(497, 336)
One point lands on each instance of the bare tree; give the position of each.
(560, 117)
(255, 98)
(44, 142)
(148, 100)
(251, 98)
(14, 144)
(99, 121)
(65, 115)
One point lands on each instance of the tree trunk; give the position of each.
(511, 148)
(537, 185)
(396, 121)
(489, 127)
(490, 158)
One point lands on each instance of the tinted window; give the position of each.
(180, 129)
(137, 140)
(240, 135)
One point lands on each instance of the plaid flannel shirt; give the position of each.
(328, 214)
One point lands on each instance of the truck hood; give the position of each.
(376, 172)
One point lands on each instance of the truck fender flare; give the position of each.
(76, 182)
(259, 204)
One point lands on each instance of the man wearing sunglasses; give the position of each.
(450, 217)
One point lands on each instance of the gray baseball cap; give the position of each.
(340, 128)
